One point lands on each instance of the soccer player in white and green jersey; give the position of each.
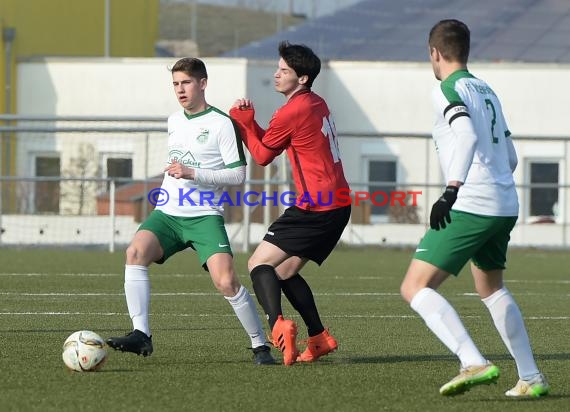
(472, 220)
(205, 154)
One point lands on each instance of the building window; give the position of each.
(116, 166)
(119, 167)
(543, 201)
(384, 172)
(47, 193)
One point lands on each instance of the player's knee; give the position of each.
(227, 285)
(407, 291)
(403, 292)
(252, 264)
(135, 256)
(130, 254)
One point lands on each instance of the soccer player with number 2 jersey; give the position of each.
(472, 220)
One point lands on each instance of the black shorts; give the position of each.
(306, 234)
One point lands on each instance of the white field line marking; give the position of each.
(349, 294)
(106, 294)
(414, 317)
(103, 275)
(201, 315)
(357, 294)
(519, 294)
(205, 275)
(180, 294)
(363, 277)
(564, 282)
(175, 275)
(61, 274)
(211, 315)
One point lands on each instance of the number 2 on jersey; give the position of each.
(329, 131)
(490, 105)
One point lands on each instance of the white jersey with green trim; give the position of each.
(207, 140)
(474, 145)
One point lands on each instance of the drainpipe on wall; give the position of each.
(8, 34)
(107, 28)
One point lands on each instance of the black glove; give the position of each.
(440, 209)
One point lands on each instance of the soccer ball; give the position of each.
(84, 351)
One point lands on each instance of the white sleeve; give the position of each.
(464, 148)
(230, 145)
(221, 177)
(513, 159)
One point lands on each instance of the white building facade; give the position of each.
(383, 117)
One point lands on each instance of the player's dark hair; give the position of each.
(301, 59)
(191, 66)
(451, 38)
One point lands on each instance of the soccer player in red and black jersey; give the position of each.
(309, 230)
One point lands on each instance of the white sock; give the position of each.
(137, 292)
(510, 324)
(444, 321)
(246, 311)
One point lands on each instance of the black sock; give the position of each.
(298, 292)
(267, 291)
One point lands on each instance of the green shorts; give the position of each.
(205, 234)
(484, 239)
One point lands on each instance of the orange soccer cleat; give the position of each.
(318, 346)
(284, 335)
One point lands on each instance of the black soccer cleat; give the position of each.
(136, 342)
(262, 356)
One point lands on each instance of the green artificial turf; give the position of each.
(387, 358)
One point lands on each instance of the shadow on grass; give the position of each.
(523, 401)
(431, 358)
